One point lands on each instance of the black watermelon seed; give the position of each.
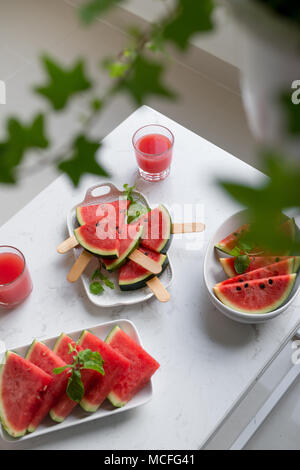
(241, 280)
(246, 285)
(235, 234)
(146, 253)
(238, 288)
(277, 259)
(262, 286)
(270, 281)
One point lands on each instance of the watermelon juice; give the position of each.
(153, 146)
(15, 281)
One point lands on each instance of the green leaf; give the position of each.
(93, 366)
(128, 190)
(116, 69)
(143, 80)
(19, 139)
(96, 288)
(63, 82)
(190, 17)
(93, 8)
(59, 370)
(96, 274)
(241, 263)
(83, 160)
(75, 387)
(235, 251)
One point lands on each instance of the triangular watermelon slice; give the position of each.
(133, 276)
(276, 269)
(40, 355)
(157, 229)
(22, 386)
(258, 295)
(98, 239)
(256, 262)
(142, 367)
(65, 405)
(129, 238)
(115, 365)
(93, 213)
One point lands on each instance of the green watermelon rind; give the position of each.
(112, 396)
(167, 239)
(122, 259)
(268, 309)
(78, 216)
(141, 281)
(3, 419)
(227, 268)
(110, 254)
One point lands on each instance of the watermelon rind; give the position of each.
(104, 253)
(141, 281)
(227, 268)
(296, 263)
(122, 259)
(167, 236)
(267, 309)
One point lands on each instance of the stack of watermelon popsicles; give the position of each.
(29, 389)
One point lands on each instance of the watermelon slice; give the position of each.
(228, 243)
(22, 387)
(65, 405)
(129, 237)
(133, 276)
(157, 230)
(257, 295)
(115, 365)
(99, 240)
(277, 269)
(142, 367)
(40, 355)
(256, 262)
(115, 211)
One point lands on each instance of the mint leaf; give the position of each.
(128, 190)
(96, 288)
(235, 251)
(241, 263)
(59, 370)
(62, 82)
(96, 274)
(75, 388)
(83, 160)
(93, 365)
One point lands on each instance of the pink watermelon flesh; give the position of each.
(115, 365)
(65, 405)
(116, 211)
(98, 240)
(276, 269)
(157, 230)
(129, 237)
(22, 388)
(40, 355)
(134, 276)
(256, 262)
(229, 242)
(142, 367)
(258, 295)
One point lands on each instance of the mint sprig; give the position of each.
(96, 287)
(85, 359)
(128, 190)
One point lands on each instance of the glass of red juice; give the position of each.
(153, 145)
(15, 281)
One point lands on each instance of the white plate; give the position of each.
(213, 273)
(113, 297)
(78, 415)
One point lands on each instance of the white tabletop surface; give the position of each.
(207, 361)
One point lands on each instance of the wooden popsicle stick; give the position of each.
(148, 263)
(79, 266)
(158, 289)
(67, 245)
(187, 227)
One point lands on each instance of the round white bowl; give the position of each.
(213, 273)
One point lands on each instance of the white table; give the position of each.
(207, 361)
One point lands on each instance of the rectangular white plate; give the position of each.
(114, 297)
(78, 415)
